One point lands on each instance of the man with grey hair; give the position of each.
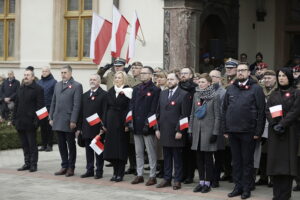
(48, 83)
(64, 113)
(94, 101)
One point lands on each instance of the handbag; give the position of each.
(201, 111)
(80, 140)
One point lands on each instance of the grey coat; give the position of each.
(221, 139)
(203, 129)
(65, 105)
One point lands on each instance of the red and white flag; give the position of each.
(97, 145)
(93, 119)
(276, 111)
(129, 117)
(184, 123)
(100, 37)
(152, 120)
(42, 113)
(118, 34)
(135, 25)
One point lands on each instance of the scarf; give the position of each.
(207, 93)
(126, 91)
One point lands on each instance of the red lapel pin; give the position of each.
(173, 103)
(198, 103)
(70, 86)
(149, 94)
(287, 94)
(10, 85)
(93, 98)
(246, 87)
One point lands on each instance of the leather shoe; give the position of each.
(246, 195)
(235, 192)
(108, 165)
(70, 172)
(205, 189)
(119, 179)
(151, 181)
(130, 171)
(261, 182)
(137, 180)
(42, 148)
(176, 185)
(33, 168)
(198, 188)
(87, 174)
(62, 171)
(163, 184)
(98, 176)
(215, 184)
(188, 181)
(113, 178)
(24, 167)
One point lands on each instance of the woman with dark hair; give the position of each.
(283, 112)
(205, 129)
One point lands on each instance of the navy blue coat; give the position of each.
(48, 84)
(143, 105)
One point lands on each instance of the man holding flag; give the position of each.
(29, 100)
(143, 106)
(92, 112)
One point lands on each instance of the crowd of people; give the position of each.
(239, 119)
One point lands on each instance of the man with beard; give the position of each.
(244, 121)
(260, 71)
(189, 156)
(29, 99)
(47, 82)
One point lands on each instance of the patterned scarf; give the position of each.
(207, 93)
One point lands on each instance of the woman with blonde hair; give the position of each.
(161, 80)
(117, 136)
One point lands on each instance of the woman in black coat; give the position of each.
(282, 142)
(117, 137)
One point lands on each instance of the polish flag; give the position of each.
(152, 120)
(42, 113)
(129, 117)
(97, 145)
(135, 25)
(118, 34)
(100, 37)
(93, 119)
(184, 123)
(276, 111)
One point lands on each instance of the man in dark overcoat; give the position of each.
(171, 109)
(29, 99)
(64, 113)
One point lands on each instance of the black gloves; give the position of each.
(127, 69)
(146, 129)
(106, 67)
(263, 141)
(213, 139)
(279, 129)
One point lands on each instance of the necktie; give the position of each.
(170, 94)
(92, 93)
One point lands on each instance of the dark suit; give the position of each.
(8, 89)
(170, 111)
(91, 103)
(29, 99)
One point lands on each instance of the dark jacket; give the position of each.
(97, 103)
(29, 99)
(169, 113)
(243, 109)
(282, 149)
(9, 88)
(190, 87)
(143, 105)
(48, 84)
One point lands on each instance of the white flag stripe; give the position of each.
(97, 24)
(116, 21)
(41, 111)
(275, 108)
(132, 36)
(184, 120)
(93, 117)
(152, 118)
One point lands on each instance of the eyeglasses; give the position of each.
(184, 73)
(143, 73)
(242, 70)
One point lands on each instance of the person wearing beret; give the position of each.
(261, 68)
(283, 113)
(171, 109)
(243, 119)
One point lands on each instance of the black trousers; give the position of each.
(263, 166)
(67, 149)
(282, 187)
(189, 162)
(205, 165)
(119, 167)
(172, 154)
(29, 146)
(227, 161)
(218, 164)
(131, 156)
(242, 150)
(46, 133)
(90, 158)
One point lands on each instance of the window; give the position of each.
(77, 29)
(7, 29)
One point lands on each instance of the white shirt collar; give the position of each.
(244, 83)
